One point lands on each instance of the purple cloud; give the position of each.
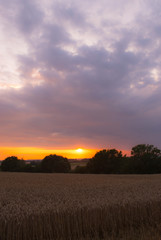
(95, 82)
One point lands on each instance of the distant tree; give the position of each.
(33, 167)
(12, 164)
(145, 159)
(80, 169)
(105, 161)
(55, 163)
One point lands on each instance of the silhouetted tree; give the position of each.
(145, 159)
(105, 161)
(142, 149)
(12, 164)
(55, 163)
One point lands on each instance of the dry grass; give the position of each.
(69, 206)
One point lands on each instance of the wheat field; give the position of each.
(73, 206)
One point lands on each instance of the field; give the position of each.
(76, 163)
(73, 206)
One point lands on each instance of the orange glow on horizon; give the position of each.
(39, 153)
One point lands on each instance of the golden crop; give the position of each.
(73, 206)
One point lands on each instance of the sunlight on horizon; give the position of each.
(39, 153)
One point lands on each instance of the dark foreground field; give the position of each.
(68, 206)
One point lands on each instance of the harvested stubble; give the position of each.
(68, 206)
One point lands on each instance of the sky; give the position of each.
(79, 74)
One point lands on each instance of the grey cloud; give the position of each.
(54, 35)
(70, 14)
(29, 16)
(24, 15)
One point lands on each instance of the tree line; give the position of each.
(144, 159)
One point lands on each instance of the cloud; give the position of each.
(83, 80)
(29, 16)
(70, 15)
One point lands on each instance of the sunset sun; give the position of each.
(79, 150)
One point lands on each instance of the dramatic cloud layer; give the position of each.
(80, 73)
